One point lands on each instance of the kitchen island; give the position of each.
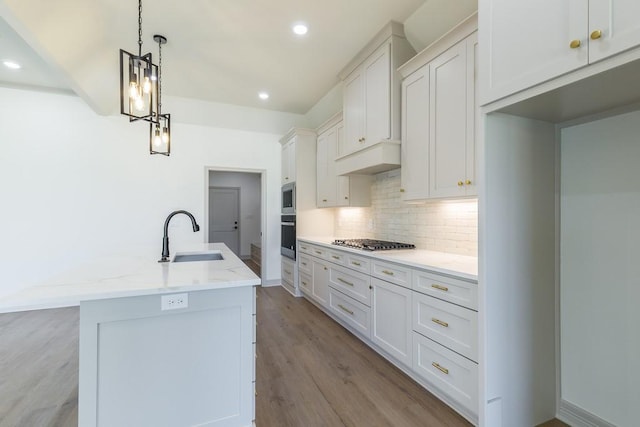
(163, 344)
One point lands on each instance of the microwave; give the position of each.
(288, 199)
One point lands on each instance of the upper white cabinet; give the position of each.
(452, 118)
(439, 116)
(334, 190)
(367, 102)
(524, 43)
(372, 104)
(289, 161)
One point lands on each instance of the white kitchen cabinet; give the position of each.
(415, 136)
(289, 162)
(333, 190)
(354, 313)
(371, 102)
(351, 283)
(289, 274)
(320, 291)
(391, 319)
(524, 43)
(452, 117)
(439, 118)
(367, 102)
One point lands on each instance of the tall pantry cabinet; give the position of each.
(556, 154)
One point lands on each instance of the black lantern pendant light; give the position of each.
(138, 81)
(160, 129)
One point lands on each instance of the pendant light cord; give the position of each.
(139, 27)
(159, 78)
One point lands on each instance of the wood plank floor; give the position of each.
(313, 372)
(310, 372)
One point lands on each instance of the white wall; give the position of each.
(75, 185)
(249, 184)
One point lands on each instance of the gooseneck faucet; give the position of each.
(165, 238)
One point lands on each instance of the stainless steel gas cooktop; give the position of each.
(372, 244)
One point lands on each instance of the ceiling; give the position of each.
(224, 51)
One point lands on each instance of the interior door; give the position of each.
(223, 217)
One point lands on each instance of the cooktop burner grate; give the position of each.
(372, 244)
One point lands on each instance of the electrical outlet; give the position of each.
(174, 301)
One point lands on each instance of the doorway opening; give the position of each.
(234, 213)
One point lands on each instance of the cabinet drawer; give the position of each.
(451, 373)
(318, 251)
(449, 289)
(352, 283)
(305, 264)
(287, 272)
(304, 283)
(358, 263)
(453, 326)
(351, 311)
(305, 248)
(393, 273)
(336, 257)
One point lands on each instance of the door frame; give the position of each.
(263, 210)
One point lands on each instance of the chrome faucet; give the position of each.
(165, 238)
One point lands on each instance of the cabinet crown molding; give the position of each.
(453, 36)
(330, 122)
(392, 29)
(296, 132)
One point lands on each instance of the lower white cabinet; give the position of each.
(451, 373)
(289, 276)
(391, 319)
(451, 325)
(356, 314)
(305, 283)
(320, 286)
(352, 283)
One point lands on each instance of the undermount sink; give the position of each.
(197, 256)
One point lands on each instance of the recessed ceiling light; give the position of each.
(263, 95)
(12, 65)
(300, 29)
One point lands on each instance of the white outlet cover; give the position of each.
(174, 301)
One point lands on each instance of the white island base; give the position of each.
(143, 366)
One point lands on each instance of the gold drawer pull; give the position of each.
(402, 190)
(304, 247)
(324, 200)
(440, 288)
(574, 44)
(304, 283)
(387, 272)
(335, 257)
(440, 368)
(439, 322)
(460, 183)
(345, 282)
(468, 182)
(318, 252)
(345, 309)
(303, 263)
(596, 35)
(356, 263)
(287, 271)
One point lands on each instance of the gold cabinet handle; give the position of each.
(468, 182)
(345, 282)
(319, 253)
(324, 200)
(596, 35)
(439, 322)
(304, 283)
(346, 198)
(440, 288)
(286, 178)
(345, 309)
(304, 247)
(303, 263)
(460, 183)
(356, 263)
(402, 190)
(325, 268)
(387, 272)
(574, 44)
(287, 271)
(440, 368)
(335, 257)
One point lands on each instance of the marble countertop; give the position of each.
(134, 273)
(461, 266)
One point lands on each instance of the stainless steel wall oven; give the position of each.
(288, 236)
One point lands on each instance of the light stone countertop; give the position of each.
(461, 266)
(134, 273)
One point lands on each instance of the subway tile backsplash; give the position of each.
(445, 226)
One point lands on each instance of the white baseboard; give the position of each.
(269, 283)
(578, 417)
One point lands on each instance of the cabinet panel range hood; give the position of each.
(380, 157)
